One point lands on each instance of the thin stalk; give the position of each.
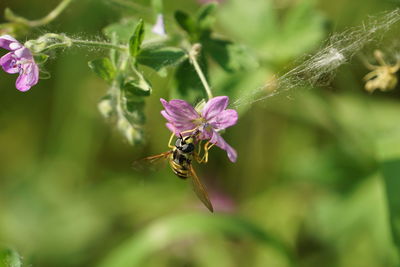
(193, 53)
(51, 16)
(100, 44)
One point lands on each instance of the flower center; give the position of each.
(202, 124)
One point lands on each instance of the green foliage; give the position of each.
(175, 229)
(158, 58)
(104, 68)
(317, 172)
(228, 55)
(136, 39)
(9, 258)
(122, 31)
(389, 151)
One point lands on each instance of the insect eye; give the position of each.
(188, 148)
(178, 142)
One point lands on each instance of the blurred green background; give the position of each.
(308, 188)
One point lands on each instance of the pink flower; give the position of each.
(214, 117)
(19, 60)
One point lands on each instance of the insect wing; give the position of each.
(150, 162)
(200, 190)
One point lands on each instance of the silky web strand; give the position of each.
(320, 68)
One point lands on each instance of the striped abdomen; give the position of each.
(180, 163)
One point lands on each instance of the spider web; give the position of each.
(320, 68)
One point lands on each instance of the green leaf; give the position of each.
(231, 57)
(137, 88)
(187, 23)
(188, 84)
(175, 229)
(160, 57)
(205, 16)
(104, 68)
(121, 30)
(9, 258)
(137, 38)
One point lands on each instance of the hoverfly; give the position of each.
(180, 159)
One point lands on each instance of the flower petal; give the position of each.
(214, 106)
(8, 63)
(221, 143)
(23, 53)
(9, 43)
(180, 110)
(29, 76)
(225, 119)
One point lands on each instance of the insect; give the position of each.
(180, 159)
(381, 77)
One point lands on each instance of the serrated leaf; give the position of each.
(160, 57)
(137, 38)
(104, 68)
(122, 30)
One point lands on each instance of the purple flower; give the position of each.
(159, 28)
(19, 60)
(213, 118)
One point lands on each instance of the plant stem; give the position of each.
(99, 44)
(51, 16)
(193, 53)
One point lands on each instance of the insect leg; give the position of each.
(170, 140)
(207, 147)
(189, 131)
